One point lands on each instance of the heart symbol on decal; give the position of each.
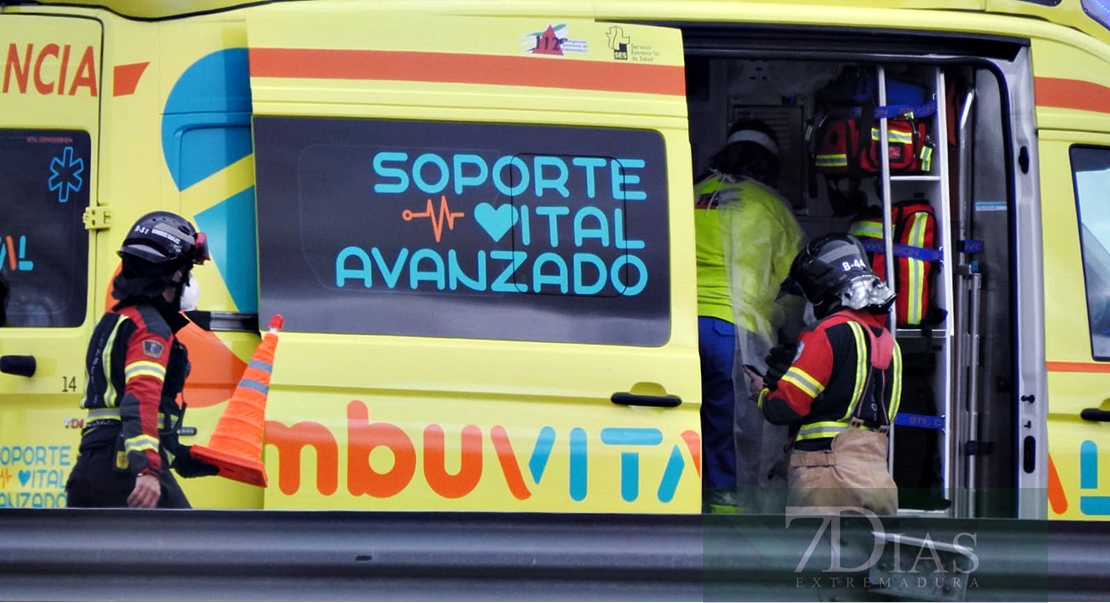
(24, 477)
(496, 222)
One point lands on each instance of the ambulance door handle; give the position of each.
(1095, 414)
(23, 366)
(627, 399)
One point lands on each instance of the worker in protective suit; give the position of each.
(839, 388)
(746, 237)
(136, 369)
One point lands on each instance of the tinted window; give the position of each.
(44, 247)
(1091, 169)
(470, 230)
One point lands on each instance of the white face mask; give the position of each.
(190, 295)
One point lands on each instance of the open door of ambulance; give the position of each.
(480, 240)
(49, 122)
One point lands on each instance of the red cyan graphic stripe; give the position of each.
(451, 68)
(1071, 94)
(125, 78)
(1057, 497)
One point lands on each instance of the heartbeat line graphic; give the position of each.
(445, 215)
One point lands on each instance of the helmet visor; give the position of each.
(200, 249)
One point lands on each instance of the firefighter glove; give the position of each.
(187, 466)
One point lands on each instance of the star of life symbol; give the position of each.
(65, 175)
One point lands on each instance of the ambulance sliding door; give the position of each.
(479, 238)
(49, 124)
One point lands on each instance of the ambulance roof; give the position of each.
(1069, 13)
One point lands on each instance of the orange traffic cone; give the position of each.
(236, 446)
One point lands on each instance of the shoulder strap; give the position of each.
(881, 356)
(882, 346)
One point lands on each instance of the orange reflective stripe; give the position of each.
(1071, 94)
(460, 68)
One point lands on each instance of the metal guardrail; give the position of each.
(197, 555)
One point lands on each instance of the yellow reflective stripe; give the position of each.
(102, 414)
(762, 396)
(140, 443)
(893, 136)
(900, 137)
(896, 387)
(110, 393)
(821, 429)
(825, 429)
(146, 368)
(916, 271)
(803, 381)
(818, 435)
(926, 158)
(863, 364)
(867, 228)
(832, 160)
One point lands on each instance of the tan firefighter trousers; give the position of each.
(853, 474)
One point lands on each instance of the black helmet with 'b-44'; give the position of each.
(157, 254)
(832, 272)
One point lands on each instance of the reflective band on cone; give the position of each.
(236, 445)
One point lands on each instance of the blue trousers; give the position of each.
(717, 348)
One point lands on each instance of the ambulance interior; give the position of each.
(953, 443)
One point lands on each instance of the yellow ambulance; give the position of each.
(476, 219)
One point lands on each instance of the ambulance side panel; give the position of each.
(50, 103)
(481, 242)
(184, 134)
(1073, 116)
(175, 136)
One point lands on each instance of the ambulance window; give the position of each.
(44, 247)
(445, 229)
(1091, 169)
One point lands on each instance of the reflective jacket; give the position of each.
(136, 369)
(826, 386)
(747, 238)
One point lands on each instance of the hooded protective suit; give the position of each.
(747, 238)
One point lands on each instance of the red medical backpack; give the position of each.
(916, 257)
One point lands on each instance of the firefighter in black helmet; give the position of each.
(839, 388)
(136, 369)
